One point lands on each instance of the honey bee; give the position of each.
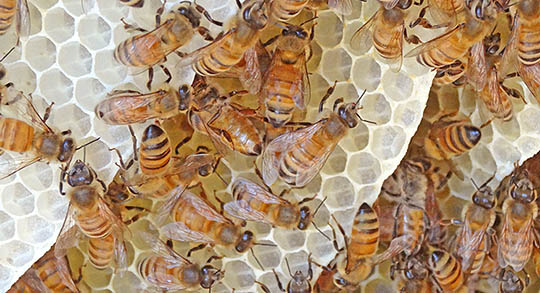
(286, 83)
(447, 271)
(388, 28)
(254, 203)
(124, 107)
(414, 277)
(151, 48)
(133, 3)
(299, 282)
(518, 234)
(297, 156)
(17, 9)
(510, 282)
(229, 49)
(48, 274)
(168, 270)
(195, 220)
(32, 137)
(473, 239)
(450, 137)
(93, 218)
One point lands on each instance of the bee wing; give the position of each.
(471, 241)
(179, 231)
(524, 243)
(477, 68)
(63, 271)
(256, 191)
(23, 19)
(509, 60)
(119, 228)
(251, 75)
(242, 210)
(282, 144)
(303, 95)
(433, 44)
(165, 210)
(361, 39)
(195, 55)
(342, 6)
(31, 277)
(220, 146)
(161, 249)
(395, 64)
(529, 75)
(389, 4)
(305, 177)
(21, 107)
(69, 234)
(119, 103)
(203, 208)
(11, 166)
(120, 254)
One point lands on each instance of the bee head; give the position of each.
(191, 14)
(80, 174)
(184, 97)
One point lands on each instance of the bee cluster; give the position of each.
(273, 146)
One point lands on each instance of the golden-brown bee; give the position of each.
(450, 137)
(48, 274)
(474, 240)
(30, 135)
(510, 282)
(155, 151)
(297, 156)
(254, 203)
(18, 9)
(229, 49)
(195, 220)
(386, 29)
(536, 259)
(93, 218)
(124, 107)
(151, 48)
(133, 3)
(518, 233)
(168, 270)
(286, 84)
(446, 271)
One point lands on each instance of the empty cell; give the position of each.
(504, 152)
(375, 109)
(363, 168)
(5, 276)
(38, 176)
(311, 188)
(320, 212)
(481, 158)
(59, 25)
(467, 100)
(319, 86)
(388, 141)
(16, 253)
(40, 53)
(463, 163)
(331, 23)
(239, 275)
(44, 4)
(315, 61)
(7, 226)
(145, 16)
(269, 280)
(96, 278)
(408, 114)
(78, 7)
(34, 229)
(112, 10)
(487, 134)
(320, 246)
(366, 73)
(260, 229)
(348, 32)
(339, 192)
(356, 11)
(528, 121)
(56, 86)
(336, 162)
(368, 194)
(52, 206)
(527, 145)
(289, 239)
(71, 117)
(298, 261)
(127, 282)
(74, 59)
(88, 92)
(268, 256)
(94, 32)
(108, 70)
(336, 64)
(357, 138)
(17, 200)
(111, 134)
(397, 86)
(22, 76)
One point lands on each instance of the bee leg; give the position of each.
(167, 73)
(150, 78)
(263, 287)
(131, 27)
(514, 93)
(159, 12)
(280, 285)
(238, 4)
(213, 257)
(419, 3)
(196, 248)
(413, 39)
(270, 41)
(181, 143)
(206, 14)
(329, 92)
(342, 231)
(134, 141)
(205, 33)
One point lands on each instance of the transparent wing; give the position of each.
(10, 166)
(361, 39)
(195, 55)
(63, 271)
(23, 19)
(165, 210)
(242, 210)
(523, 244)
(31, 278)
(341, 6)
(477, 68)
(302, 95)
(395, 64)
(179, 231)
(69, 234)
(251, 75)
(530, 76)
(201, 118)
(161, 249)
(22, 108)
(435, 43)
(469, 243)
(303, 178)
(389, 4)
(120, 102)
(203, 208)
(242, 185)
(509, 60)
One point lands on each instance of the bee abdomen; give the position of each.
(15, 135)
(101, 251)
(365, 234)
(287, 9)
(7, 11)
(155, 152)
(447, 270)
(133, 3)
(457, 139)
(219, 60)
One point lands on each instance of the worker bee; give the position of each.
(133, 3)
(388, 32)
(297, 156)
(414, 277)
(446, 271)
(450, 137)
(168, 270)
(299, 283)
(474, 240)
(510, 282)
(195, 220)
(92, 217)
(47, 274)
(254, 203)
(30, 135)
(286, 83)
(151, 48)
(17, 9)
(518, 234)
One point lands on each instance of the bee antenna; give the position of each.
(489, 180)
(320, 231)
(319, 206)
(364, 120)
(309, 20)
(7, 54)
(288, 267)
(265, 244)
(88, 143)
(359, 98)
(326, 96)
(474, 183)
(221, 178)
(256, 259)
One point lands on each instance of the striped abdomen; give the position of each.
(529, 35)
(283, 10)
(388, 33)
(457, 138)
(165, 273)
(364, 240)
(496, 99)
(411, 223)
(279, 88)
(101, 251)
(240, 193)
(15, 135)
(57, 280)
(7, 12)
(133, 3)
(93, 224)
(447, 270)
(155, 151)
(450, 73)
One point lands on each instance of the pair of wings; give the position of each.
(469, 242)
(524, 243)
(22, 19)
(281, 145)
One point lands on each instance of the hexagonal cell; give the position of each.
(44, 4)
(268, 256)
(336, 162)
(88, 92)
(320, 246)
(59, 25)
(527, 121)
(7, 226)
(297, 261)
(331, 22)
(78, 7)
(22, 76)
(363, 168)
(127, 282)
(239, 275)
(73, 118)
(527, 145)
(108, 70)
(463, 162)
(481, 158)
(34, 229)
(336, 64)
(74, 59)
(40, 53)
(94, 32)
(289, 239)
(339, 192)
(52, 206)
(112, 10)
(397, 86)
(407, 115)
(348, 32)
(315, 61)
(16, 253)
(375, 108)
(269, 280)
(388, 141)
(111, 134)
(17, 200)
(35, 19)
(366, 73)
(5, 276)
(96, 278)
(357, 139)
(504, 152)
(368, 194)
(56, 86)
(38, 176)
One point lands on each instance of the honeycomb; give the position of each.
(68, 60)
